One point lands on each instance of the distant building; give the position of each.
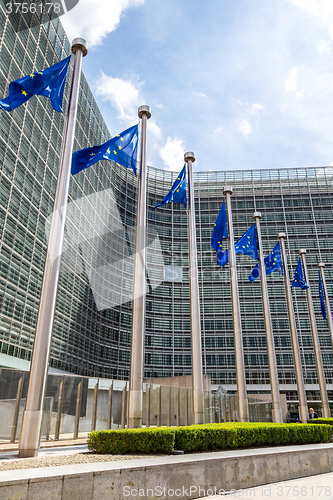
(92, 328)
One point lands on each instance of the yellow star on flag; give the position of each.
(24, 93)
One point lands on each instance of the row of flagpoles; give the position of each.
(250, 244)
(123, 150)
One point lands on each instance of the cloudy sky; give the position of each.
(245, 84)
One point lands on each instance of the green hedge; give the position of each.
(221, 436)
(327, 421)
(206, 437)
(151, 440)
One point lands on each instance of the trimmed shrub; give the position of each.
(206, 437)
(243, 435)
(151, 440)
(327, 421)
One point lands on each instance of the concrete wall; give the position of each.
(168, 477)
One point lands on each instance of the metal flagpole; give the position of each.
(139, 286)
(197, 375)
(32, 416)
(273, 374)
(236, 316)
(321, 266)
(316, 345)
(302, 409)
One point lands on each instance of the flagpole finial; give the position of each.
(281, 235)
(227, 189)
(256, 215)
(321, 264)
(189, 156)
(80, 43)
(144, 110)
(302, 251)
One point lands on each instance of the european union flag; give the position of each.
(220, 230)
(298, 280)
(50, 83)
(246, 244)
(122, 149)
(177, 193)
(222, 258)
(272, 263)
(322, 298)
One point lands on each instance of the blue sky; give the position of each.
(245, 84)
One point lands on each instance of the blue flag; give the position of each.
(246, 244)
(272, 263)
(298, 280)
(122, 149)
(322, 298)
(220, 230)
(50, 83)
(222, 258)
(177, 193)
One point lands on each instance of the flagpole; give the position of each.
(276, 399)
(302, 409)
(139, 286)
(236, 316)
(32, 416)
(197, 374)
(321, 266)
(316, 345)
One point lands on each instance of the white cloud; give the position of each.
(247, 116)
(172, 153)
(317, 8)
(244, 127)
(123, 95)
(325, 47)
(201, 95)
(291, 82)
(95, 20)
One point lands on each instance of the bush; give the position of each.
(243, 435)
(151, 440)
(206, 437)
(327, 421)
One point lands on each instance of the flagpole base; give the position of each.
(30, 439)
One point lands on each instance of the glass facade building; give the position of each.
(92, 327)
